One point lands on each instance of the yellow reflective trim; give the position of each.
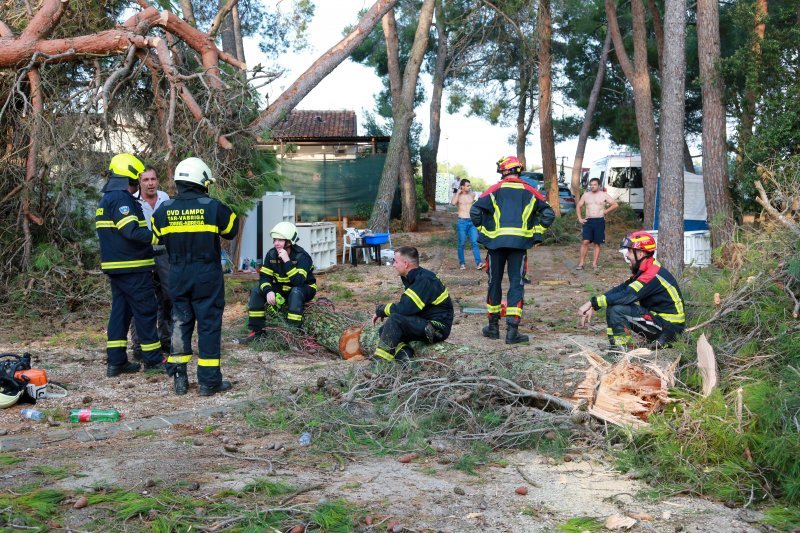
(124, 221)
(679, 316)
(99, 211)
(514, 232)
(198, 228)
(267, 271)
(538, 229)
(292, 316)
(179, 359)
(387, 310)
(414, 298)
(493, 308)
(383, 354)
(265, 284)
(229, 227)
(153, 225)
(286, 288)
(609, 332)
(155, 239)
(442, 297)
(295, 271)
(282, 279)
(111, 265)
(513, 311)
(201, 361)
(526, 213)
(674, 318)
(313, 286)
(152, 346)
(601, 301)
(117, 344)
(257, 314)
(104, 224)
(511, 185)
(636, 286)
(142, 223)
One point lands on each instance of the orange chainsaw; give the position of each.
(35, 380)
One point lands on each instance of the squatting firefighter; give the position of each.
(660, 317)
(126, 256)
(286, 278)
(424, 312)
(511, 217)
(190, 226)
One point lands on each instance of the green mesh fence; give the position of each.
(323, 188)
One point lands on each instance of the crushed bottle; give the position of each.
(33, 414)
(305, 439)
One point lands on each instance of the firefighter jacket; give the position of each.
(125, 241)
(654, 287)
(425, 295)
(279, 277)
(511, 214)
(191, 224)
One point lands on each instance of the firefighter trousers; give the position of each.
(398, 330)
(198, 296)
(622, 318)
(296, 299)
(132, 296)
(497, 262)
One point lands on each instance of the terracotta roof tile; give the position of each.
(317, 125)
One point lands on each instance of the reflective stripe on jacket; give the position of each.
(425, 295)
(277, 276)
(122, 231)
(511, 214)
(654, 287)
(190, 226)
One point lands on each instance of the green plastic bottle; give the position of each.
(94, 415)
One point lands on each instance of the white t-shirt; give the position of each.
(148, 211)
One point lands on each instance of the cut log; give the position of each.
(625, 393)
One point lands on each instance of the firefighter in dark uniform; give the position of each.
(190, 226)
(424, 312)
(511, 217)
(660, 317)
(286, 278)
(126, 256)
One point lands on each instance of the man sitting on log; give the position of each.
(424, 312)
(660, 317)
(285, 278)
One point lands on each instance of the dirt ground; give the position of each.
(424, 495)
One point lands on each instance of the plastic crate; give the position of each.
(277, 207)
(696, 247)
(319, 240)
(376, 238)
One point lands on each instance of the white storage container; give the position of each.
(319, 240)
(277, 207)
(696, 247)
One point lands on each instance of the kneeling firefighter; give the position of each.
(190, 226)
(286, 275)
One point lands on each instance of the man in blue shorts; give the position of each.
(598, 204)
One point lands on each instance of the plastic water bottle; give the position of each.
(94, 415)
(305, 439)
(33, 414)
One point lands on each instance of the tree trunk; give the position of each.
(522, 114)
(323, 66)
(403, 115)
(226, 31)
(688, 164)
(577, 165)
(638, 76)
(237, 34)
(430, 152)
(715, 161)
(752, 84)
(670, 218)
(546, 108)
(408, 191)
(188, 12)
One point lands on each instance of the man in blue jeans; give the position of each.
(463, 200)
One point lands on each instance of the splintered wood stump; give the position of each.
(625, 393)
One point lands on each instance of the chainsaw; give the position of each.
(36, 383)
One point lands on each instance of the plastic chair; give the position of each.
(348, 241)
(388, 254)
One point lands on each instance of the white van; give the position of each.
(621, 177)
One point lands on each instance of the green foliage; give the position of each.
(477, 456)
(30, 508)
(8, 460)
(580, 524)
(565, 229)
(783, 518)
(701, 444)
(335, 516)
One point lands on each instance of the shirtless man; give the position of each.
(463, 199)
(598, 204)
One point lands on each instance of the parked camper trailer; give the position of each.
(621, 177)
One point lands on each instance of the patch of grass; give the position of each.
(53, 471)
(144, 433)
(565, 230)
(269, 488)
(8, 460)
(428, 470)
(478, 455)
(31, 509)
(340, 291)
(579, 524)
(783, 518)
(336, 516)
(353, 277)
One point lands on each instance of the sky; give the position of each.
(468, 141)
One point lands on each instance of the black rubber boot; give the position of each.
(127, 368)
(513, 336)
(181, 384)
(493, 329)
(432, 333)
(253, 336)
(205, 390)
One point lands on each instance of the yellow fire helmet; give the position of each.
(126, 165)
